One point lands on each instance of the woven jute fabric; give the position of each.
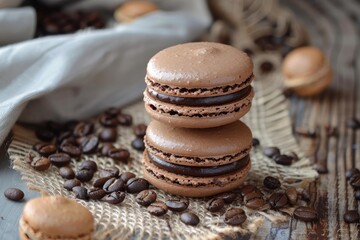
(270, 123)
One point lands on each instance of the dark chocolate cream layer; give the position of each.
(199, 171)
(201, 102)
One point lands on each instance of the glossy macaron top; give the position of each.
(200, 65)
(58, 216)
(215, 142)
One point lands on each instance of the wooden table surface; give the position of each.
(333, 26)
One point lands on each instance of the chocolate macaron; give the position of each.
(199, 85)
(197, 162)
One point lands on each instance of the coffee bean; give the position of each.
(99, 183)
(355, 181)
(114, 197)
(45, 149)
(140, 130)
(135, 185)
(70, 149)
(67, 172)
(283, 159)
(271, 151)
(126, 176)
(84, 175)
(146, 197)
(124, 119)
(80, 192)
(254, 200)
(294, 156)
(105, 148)
(305, 195)
(353, 123)
(255, 142)
(248, 189)
(109, 172)
(69, 184)
(108, 135)
(271, 182)
(60, 159)
(14, 194)
(351, 216)
(292, 195)
(138, 144)
(44, 135)
(88, 165)
(83, 129)
(278, 200)
(177, 204)
(157, 208)
(357, 195)
(96, 193)
(351, 172)
(40, 163)
(235, 216)
(107, 120)
(119, 154)
(215, 204)
(189, 218)
(306, 214)
(266, 67)
(113, 112)
(69, 141)
(89, 144)
(227, 197)
(114, 185)
(29, 157)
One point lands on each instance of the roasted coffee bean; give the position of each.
(109, 172)
(136, 185)
(108, 135)
(67, 172)
(60, 159)
(83, 129)
(84, 175)
(113, 112)
(114, 197)
(351, 172)
(44, 135)
(140, 130)
(351, 216)
(306, 214)
(266, 67)
(70, 149)
(96, 193)
(45, 149)
(138, 144)
(105, 148)
(157, 208)
(271, 182)
(271, 151)
(353, 123)
(126, 176)
(80, 192)
(305, 195)
(69, 184)
(124, 119)
(292, 195)
(114, 185)
(189, 218)
(227, 197)
(283, 159)
(69, 141)
(14, 194)
(255, 142)
(121, 155)
(107, 120)
(355, 181)
(146, 197)
(254, 200)
(177, 204)
(89, 144)
(294, 156)
(88, 165)
(215, 204)
(357, 195)
(99, 183)
(248, 189)
(235, 216)
(29, 157)
(278, 200)
(40, 163)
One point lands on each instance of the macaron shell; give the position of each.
(200, 64)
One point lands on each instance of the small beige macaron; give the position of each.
(306, 71)
(55, 218)
(131, 10)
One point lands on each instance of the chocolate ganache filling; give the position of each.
(201, 102)
(199, 171)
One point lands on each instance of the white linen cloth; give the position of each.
(76, 76)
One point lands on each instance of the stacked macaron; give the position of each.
(196, 92)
